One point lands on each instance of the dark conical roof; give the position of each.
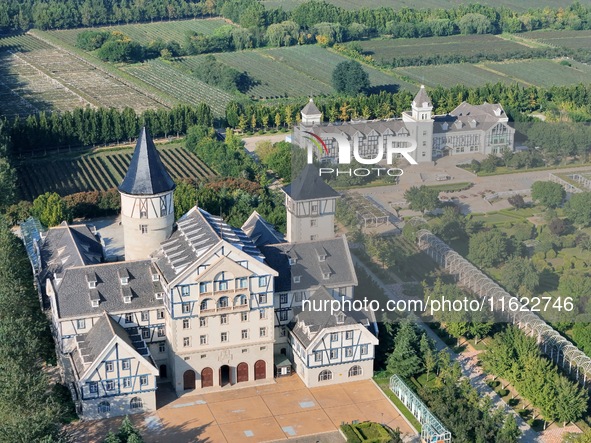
(146, 174)
(309, 185)
(421, 98)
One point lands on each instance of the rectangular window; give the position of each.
(203, 339)
(186, 342)
(313, 237)
(263, 332)
(161, 332)
(297, 296)
(127, 382)
(224, 319)
(283, 299)
(349, 335)
(161, 348)
(244, 334)
(262, 281)
(318, 356)
(224, 337)
(334, 336)
(186, 323)
(349, 352)
(223, 286)
(145, 315)
(160, 314)
(128, 318)
(203, 322)
(282, 332)
(283, 315)
(242, 283)
(125, 365)
(364, 349)
(93, 387)
(262, 314)
(334, 353)
(146, 333)
(313, 223)
(314, 208)
(185, 290)
(143, 380)
(109, 366)
(186, 308)
(202, 287)
(144, 229)
(110, 386)
(244, 316)
(262, 299)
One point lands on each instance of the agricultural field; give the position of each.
(180, 85)
(544, 73)
(564, 39)
(147, 32)
(100, 171)
(450, 75)
(388, 49)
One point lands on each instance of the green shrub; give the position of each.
(350, 434)
(503, 392)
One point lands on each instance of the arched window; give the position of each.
(354, 371)
(204, 306)
(325, 375)
(104, 407)
(223, 302)
(240, 300)
(136, 403)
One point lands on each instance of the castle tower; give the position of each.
(311, 206)
(420, 124)
(311, 115)
(147, 208)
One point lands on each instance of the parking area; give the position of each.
(278, 411)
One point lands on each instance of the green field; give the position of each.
(544, 73)
(99, 171)
(146, 32)
(388, 49)
(564, 39)
(21, 43)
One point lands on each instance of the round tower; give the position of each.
(147, 206)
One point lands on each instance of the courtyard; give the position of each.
(282, 410)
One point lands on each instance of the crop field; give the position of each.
(179, 85)
(544, 72)
(450, 75)
(146, 32)
(100, 171)
(388, 49)
(565, 39)
(21, 43)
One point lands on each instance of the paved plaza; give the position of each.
(260, 413)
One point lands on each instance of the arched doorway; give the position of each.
(260, 370)
(189, 380)
(224, 375)
(163, 371)
(206, 377)
(283, 351)
(242, 372)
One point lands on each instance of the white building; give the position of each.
(197, 303)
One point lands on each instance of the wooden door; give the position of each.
(189, 380)
(260, 370)
(242, 372)
(206, 377)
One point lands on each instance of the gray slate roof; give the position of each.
(422, 99)
(310, 108)
(74, 296)
(307, 324)
(467, 117)
(146, 174)
(309, 265)
(196, 232)
(260, 231)
(66, 246)
(309, 185)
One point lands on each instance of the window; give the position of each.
(297, 296)
(203, 322)
(224, 337)
(186, 308)
(262, 281)
(283, 316)
(348, 352)
(242, 283)
(144, 214)
(223, 302)
(262, 299)
(185, 290)
(282, 332)
(364, 349)
(125, 364)
(349, 335)
(241, 300)
(143, 380)
(244, 316)
(263, 332)
(313, 223)
(127, 299)
(160, 314)
(224, 319)
(145, 315)
(262, 314)
(334, 353)
(161, 347)
(355, 371)
(244, 334)
(203, 305)
(81, 324)
(144, 229)
(155, 277)
(104, 407)
(202, 287)
(297, 279)
(326, 275)
(128, 318)
(127, 382)
(186, 342)
(325, 375)
(161, 332)
(222, 284)
(136, 403)
(317, 356)
(334, 336)
(159, 295)
(283, 299)
(110, 385)
(313, 237)
(94, 303)
(186, 323)
(109, 366)
(93, 387)
(203, 339)
(314, 208)
(146, 333)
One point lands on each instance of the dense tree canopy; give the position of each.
(548, 194)
(578, 209)
(350, 78)
(489, 248)
(422, 198)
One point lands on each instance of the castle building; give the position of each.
(197, 303)
(468, 129)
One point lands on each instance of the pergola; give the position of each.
(366, 210)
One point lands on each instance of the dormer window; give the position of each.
(92, 284)
(296, 279)
(292, 261)
(325, 275)
(155, 277)
(124, 280)
(159, 295)
(95, 303)
(91, 279)
(123, 276)
(340, 318)
(127, 299)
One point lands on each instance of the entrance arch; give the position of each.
(260, 370)
(224, 375)
(163, 371)
(189, 380)
(206, 377)
(242, 372)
